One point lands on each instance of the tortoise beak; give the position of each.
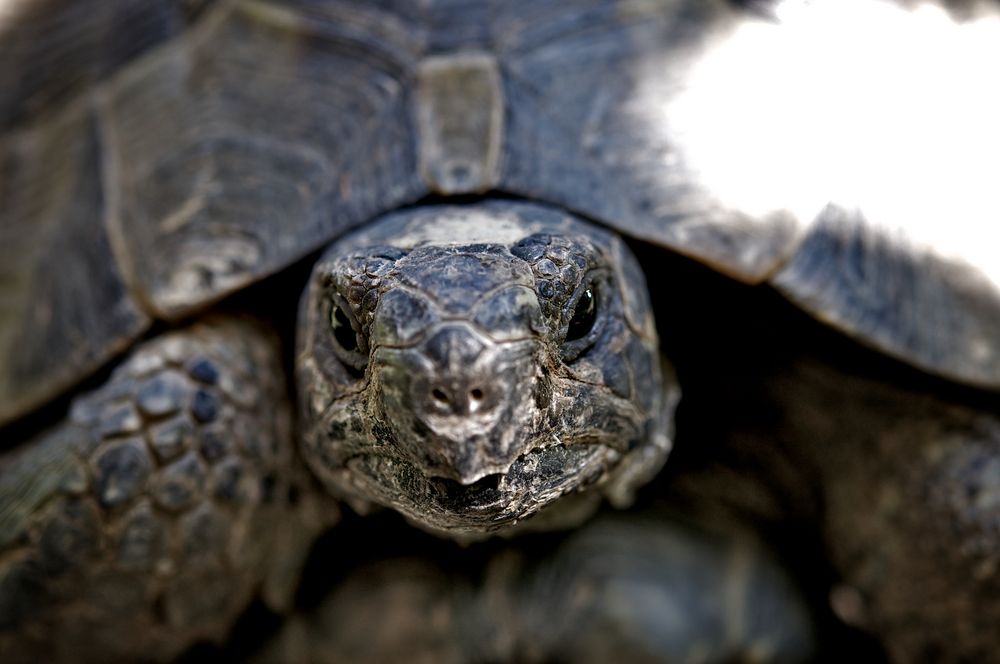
(460, 405)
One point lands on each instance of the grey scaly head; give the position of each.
(469, 366)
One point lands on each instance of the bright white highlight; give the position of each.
(10, 11)
(858, 102)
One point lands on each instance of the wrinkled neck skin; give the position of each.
(470, 366)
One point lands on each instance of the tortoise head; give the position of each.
(469, 366)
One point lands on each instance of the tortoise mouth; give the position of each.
(484, 495)
(536, 479)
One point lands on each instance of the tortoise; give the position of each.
(475, 346)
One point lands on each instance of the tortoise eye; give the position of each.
(343, 331)
(584, 315)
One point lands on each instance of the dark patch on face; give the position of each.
(411, 481)
(336, 430)
(420, 429)
(548, 468)
(550, 465)
(543, 394)
(382, 432)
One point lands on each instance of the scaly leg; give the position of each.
(148, 519)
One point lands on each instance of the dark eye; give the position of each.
(343, 331)
(347, 343)
(584, 315)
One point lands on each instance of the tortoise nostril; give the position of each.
(457, 399)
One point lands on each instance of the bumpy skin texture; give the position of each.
(647, 588)
(149, 518)
(443, 374)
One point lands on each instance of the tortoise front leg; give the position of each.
(148, 518)
(658, 588)
(631, 588)
(912, 495)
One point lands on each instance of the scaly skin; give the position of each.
(148, 519)
(444, 375)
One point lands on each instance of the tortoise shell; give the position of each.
(156, 157)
